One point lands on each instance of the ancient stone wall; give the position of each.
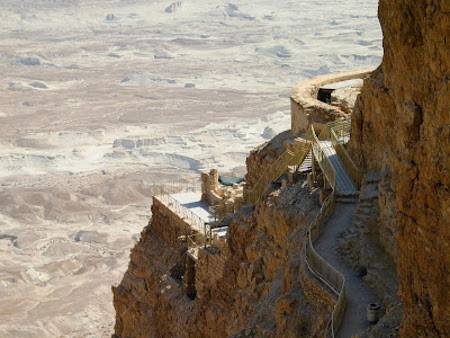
(210, 188)
(226, 199)
(209, 270)
(306, 109)
(168, 225)
(402, 123)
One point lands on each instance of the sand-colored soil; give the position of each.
(100, 99)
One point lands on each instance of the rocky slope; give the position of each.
(256, 284)
(402, 123)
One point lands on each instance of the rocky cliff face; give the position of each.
(255, 284)
(402, 123)
(263, 156)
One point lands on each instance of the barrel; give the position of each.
(372, 312)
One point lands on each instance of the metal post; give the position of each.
(313, 165)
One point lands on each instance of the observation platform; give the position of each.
(192, 202)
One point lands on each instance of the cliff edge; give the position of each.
(256, 284)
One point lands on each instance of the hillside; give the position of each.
(392, 239)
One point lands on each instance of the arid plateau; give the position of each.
(101, 99)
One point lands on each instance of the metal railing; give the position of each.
(177, 186)
(317, 264)
(341, 127)
(181, 209)
(279, 167)
(349, 165)
(193, 218)
(321, 158)
(338, 133)
(323, 270)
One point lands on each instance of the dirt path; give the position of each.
(358, 296)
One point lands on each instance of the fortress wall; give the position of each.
(307, 109)
(167, 224)
(209, 270)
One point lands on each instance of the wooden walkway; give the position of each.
(306, 165)
(344, 184)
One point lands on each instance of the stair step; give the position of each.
(346, 199)
(369, 193)
(358, 224)
(348, 193)
(366, 205)
(364, 211)
(361, 217)
(372, 178)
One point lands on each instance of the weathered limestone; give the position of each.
(366, 246)
(254, 283)
(263, 156)
(401, 122)
(306, 109)
(227, 199)
(209, 270)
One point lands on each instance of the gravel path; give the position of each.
(358, 296)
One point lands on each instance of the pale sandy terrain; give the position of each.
(94, 111)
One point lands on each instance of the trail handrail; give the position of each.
(321, 268)
(316, 263)
(219, 222)
(321, 158)
(344, 156)
(324, 270)
(279, 167)
(339, 131)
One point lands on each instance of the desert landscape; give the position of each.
(101, 100)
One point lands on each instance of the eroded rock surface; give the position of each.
(256, 284)
(403, 123)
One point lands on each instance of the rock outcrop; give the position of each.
(369, 247)
(255, 284)
(263, 156)
(402, 123)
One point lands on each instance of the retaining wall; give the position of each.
(306, 109)
(209, 269)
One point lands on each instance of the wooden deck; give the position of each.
(344, 184)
